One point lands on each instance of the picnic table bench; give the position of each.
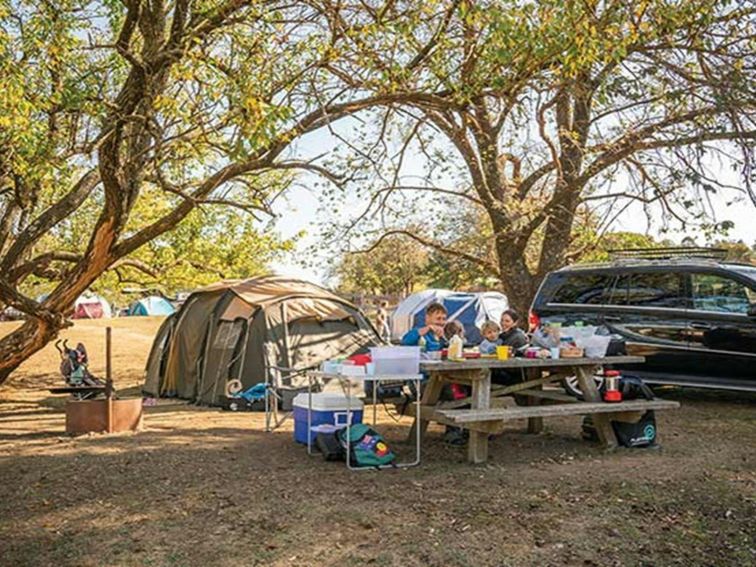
(476, 414)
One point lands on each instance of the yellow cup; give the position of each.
(502, 352)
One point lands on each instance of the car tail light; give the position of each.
(534, 321)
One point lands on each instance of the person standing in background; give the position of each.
(382, 321)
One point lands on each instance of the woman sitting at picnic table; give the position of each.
(511, 335)
(514, 337)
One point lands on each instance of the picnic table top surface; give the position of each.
(519, 362)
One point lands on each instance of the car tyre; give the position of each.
(572, 386)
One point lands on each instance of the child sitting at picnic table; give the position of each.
(453, 328)
(432, 332)
(490, 331)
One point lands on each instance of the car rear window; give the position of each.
(712, 292)
(655, 289)
(589, 289)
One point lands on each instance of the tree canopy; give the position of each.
(540, 112)
(123, 121)
(104, 103)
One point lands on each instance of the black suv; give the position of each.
(692, 317)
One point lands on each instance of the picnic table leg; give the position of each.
(430, 397)
(477, 448)
(601, 422)
(535, 424)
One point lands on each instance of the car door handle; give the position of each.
(701, 326)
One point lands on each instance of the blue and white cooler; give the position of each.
(327, 408)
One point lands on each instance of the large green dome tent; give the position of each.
(244, 330)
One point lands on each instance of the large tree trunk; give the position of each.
(518, 282)
(31, 337)
(41, 328)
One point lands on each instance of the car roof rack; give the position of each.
(669, 253)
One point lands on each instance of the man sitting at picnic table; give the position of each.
(432, 334)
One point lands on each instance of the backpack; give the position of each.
(640, 434)
(330, 446)
(633, 388)
(366, 447)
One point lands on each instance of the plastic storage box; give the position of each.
(327, 408)
(396, 359)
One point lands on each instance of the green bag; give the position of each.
(366, 447)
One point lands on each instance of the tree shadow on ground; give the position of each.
(231, 495)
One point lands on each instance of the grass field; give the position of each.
(205, 487)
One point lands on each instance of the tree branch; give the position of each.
(435, 246)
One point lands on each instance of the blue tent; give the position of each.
(152, 305)
(470, 309)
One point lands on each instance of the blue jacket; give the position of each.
(488, 347)
(432, 342)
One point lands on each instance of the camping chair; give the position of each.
(274, 397)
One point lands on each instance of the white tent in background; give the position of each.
(470, 309)
(88, 306)
(92, 306)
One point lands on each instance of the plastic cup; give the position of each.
(554, 352)
(502, 352)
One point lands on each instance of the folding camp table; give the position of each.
(346, 382)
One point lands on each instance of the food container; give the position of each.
(532, 352)
(595, 346)
(570, 352)
(331, 367)
(396, 360)
(351, 370)
(434, 355)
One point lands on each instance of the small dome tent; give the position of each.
(470, 309)
(152, 305)
(244, 330)
(92, 306)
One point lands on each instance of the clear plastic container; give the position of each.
(395, 360)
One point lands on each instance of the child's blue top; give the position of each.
(432, 342)
(488, 347)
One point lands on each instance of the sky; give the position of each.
(298, 212)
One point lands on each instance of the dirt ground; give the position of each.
(205, 487)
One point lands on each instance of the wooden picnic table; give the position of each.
(481, 420)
